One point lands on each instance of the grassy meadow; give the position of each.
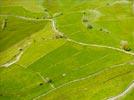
(66, 50)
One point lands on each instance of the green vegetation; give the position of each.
(66, 50)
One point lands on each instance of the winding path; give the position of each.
(26, 18)
(80, 43)
(16, 58)
(91, 75)
(71, 40)
(131, 87)
(13, 60)
(78, 80)
(85, 44)
(101, 46)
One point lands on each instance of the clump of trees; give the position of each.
(124, 45)
(59, 36)
(86, 21)
(49, 15)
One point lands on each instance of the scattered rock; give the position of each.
(85, 89)
(63, 74)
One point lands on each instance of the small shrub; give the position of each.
(101, 29)
(41, 84)
(85, 20)
(48, 80)
(20, 49)
(45, 10)
(84, 12)
(89, 26)
(34, 40)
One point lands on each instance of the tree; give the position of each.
(4, 23)
(124, 45)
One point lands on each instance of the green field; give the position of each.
(66, 50)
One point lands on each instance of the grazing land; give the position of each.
(66, 50)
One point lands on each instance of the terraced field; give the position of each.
(66, 50)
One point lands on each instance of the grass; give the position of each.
(20, 11)
(77, 71)
(8, 34)
(31, 5)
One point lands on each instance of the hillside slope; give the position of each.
(66, 50)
